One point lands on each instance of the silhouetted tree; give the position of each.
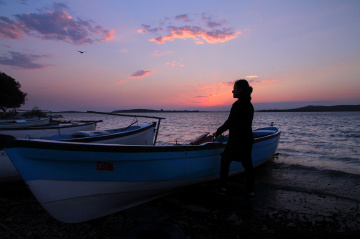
(35, 112)
(10, 94)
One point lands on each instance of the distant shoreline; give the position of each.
(313, 108)
(154, 111)
(309, 108)
(139, 111)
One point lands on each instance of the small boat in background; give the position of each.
(7, 170)
(77, 182)
(22, 123)
(47, 130)
(134, 135)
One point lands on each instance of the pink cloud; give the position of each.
(174, 63)
(21, 60)
(10, 29)
(211, 23)
(255, 82)
(119, 82)
(183, 17)
(141, 73)
(219, 85)
(252, 76)
(54, 25)
(147, 28)
(199, 35)
(212, 33)
(206, 96)
(231, 83)
(157, 53)
(268, 80)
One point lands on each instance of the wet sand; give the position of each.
(278, 211)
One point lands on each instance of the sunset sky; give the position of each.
(177, 55)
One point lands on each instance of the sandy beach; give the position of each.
(196, 212)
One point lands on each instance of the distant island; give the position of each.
(309, 108)
(313, 108)
(69, 111)
(153, 111)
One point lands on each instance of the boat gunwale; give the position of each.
(112, 135)
(98, 147)
(41, 127)
(22, 125)
(26, 120)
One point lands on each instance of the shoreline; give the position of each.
(193, 212)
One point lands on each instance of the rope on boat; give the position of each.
(132, 123)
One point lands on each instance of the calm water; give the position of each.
(319, 153)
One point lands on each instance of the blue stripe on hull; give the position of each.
(83, 165)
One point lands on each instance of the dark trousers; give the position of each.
(244, 156)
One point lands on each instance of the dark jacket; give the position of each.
(239, 124)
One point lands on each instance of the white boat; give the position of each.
(132, 135)
(7, 170)
(136, 135)
(47, 130)
(21, 123)
(76, 182)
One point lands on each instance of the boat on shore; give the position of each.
(47, 130)
(77, 182)
(134, 134)
(8, 172)
(22, 123)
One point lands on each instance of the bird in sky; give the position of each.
(81, 52)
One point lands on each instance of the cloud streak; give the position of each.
(219, 85)
(211, 23)
(213, 32)
(54, 25)
(206, 96)
(174, 63)
(141, 73)
(20, 60)
(183, 17)
(252, 76)
(157, 53)
(255, 82)
(231, 83)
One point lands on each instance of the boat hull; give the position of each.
(44, 131)
(111, 196)
(83, 182)
(134, 135)
(143, 136)
(8, 172)
(21, 123)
